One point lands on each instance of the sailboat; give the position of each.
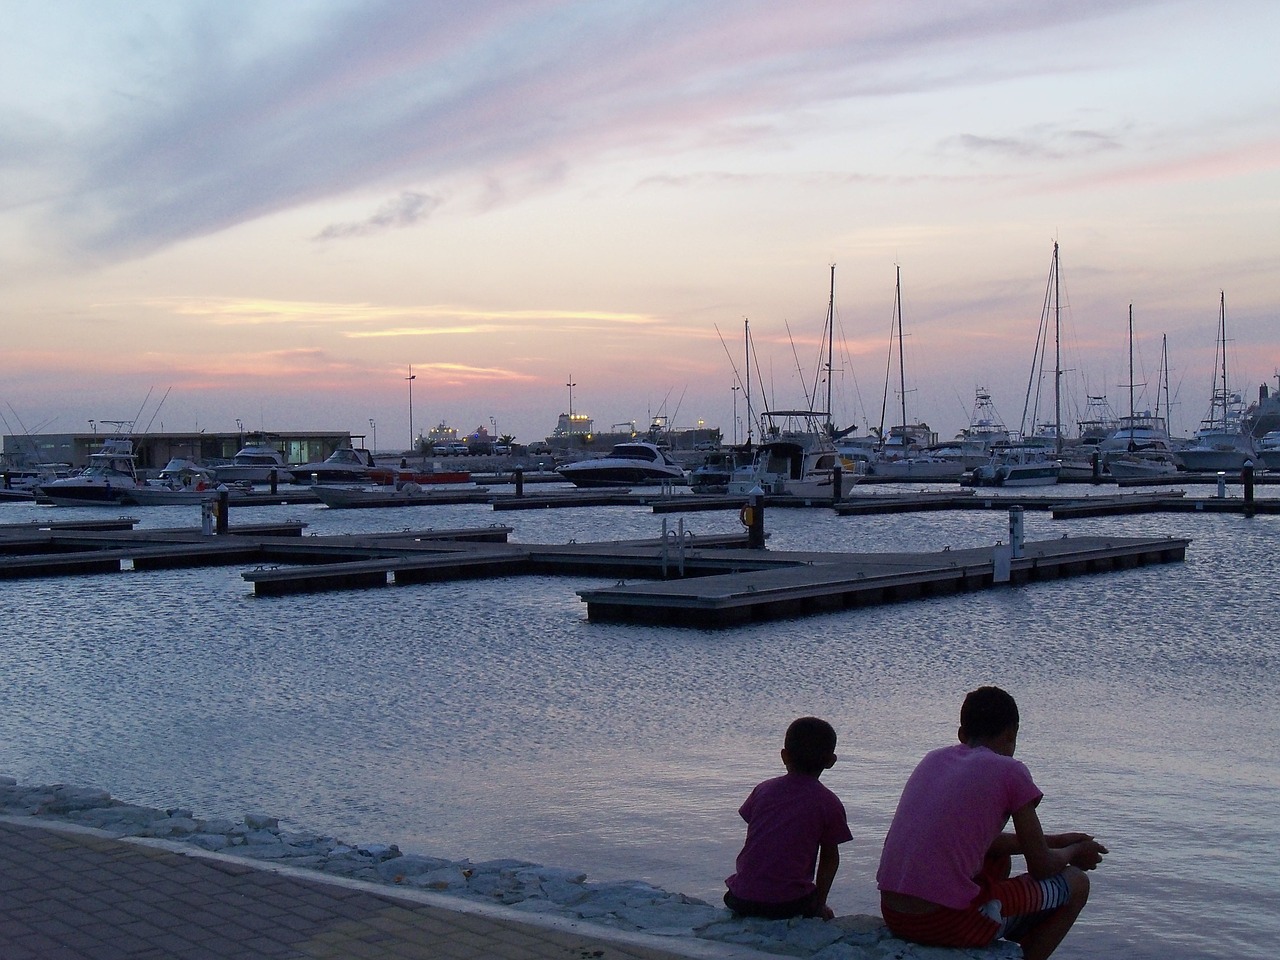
(1222, 442)
(796, 454)
(1036, 460)
(1140, 448)
(903, 453)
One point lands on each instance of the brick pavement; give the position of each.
(72, 894)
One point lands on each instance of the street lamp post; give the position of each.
(373, 427)
(411, 378)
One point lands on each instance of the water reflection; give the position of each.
(489, 718)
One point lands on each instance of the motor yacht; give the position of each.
(638, 463)
(254, 463)
(111, 473)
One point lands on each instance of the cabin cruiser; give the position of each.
(344, 465)
(637, 463)
(1222, 442)
(254, 463)
(789, 460)
(1017, 465)
(1143, 465)
(712, 476)
(1269, 450)
(181, 481)
(110, 474)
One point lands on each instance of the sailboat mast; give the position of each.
(1057, 356)
(1222, 337)
(1131, 377)
(831, 336)
(902, 372)
(1164, 370)
(746, 343)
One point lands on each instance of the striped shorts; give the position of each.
(1006, 907)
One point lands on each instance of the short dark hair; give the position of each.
(810, 742)
(987, 712)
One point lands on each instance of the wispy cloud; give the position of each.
(228, 127)
(405, 210)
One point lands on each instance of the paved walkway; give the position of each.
(70, 894)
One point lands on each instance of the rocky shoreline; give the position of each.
(517, 884)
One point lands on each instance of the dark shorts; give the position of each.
(804, 907)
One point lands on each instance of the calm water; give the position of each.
(490, 719)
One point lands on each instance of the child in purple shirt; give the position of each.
(794, 828)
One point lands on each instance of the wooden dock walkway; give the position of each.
(840, 581)
(700, 581)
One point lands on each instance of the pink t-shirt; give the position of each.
(788, 819)
(953, 807)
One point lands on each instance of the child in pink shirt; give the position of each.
(945, 870)
(794, 828)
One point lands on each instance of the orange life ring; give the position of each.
(747, 515)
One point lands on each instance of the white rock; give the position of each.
(260, 821)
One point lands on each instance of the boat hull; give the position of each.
(65, 494)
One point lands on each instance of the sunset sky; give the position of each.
(269, 211)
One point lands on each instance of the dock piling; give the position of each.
(754, 516)
(1015, 531)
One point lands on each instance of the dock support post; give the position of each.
(224, 507)
(1095, 461)
(755, 529)
(519, 474)
(206, 517)
(836, 482)
(1016, 516)
(1222, 485)
(1246, 477)
(274, 479)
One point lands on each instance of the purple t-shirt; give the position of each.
(788, 819)
(952, 809)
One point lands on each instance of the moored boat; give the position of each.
(256, 462)
(636, 464)
(111, 474)
(1222, 443)
(1017, 465)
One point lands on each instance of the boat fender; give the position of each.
(747, 515)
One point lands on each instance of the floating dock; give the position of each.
(815, 584)
(687, 580)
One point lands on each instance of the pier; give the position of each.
(688, 580)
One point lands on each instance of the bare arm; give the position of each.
(828, 864)
(1047, 856)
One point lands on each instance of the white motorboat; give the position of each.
(344, 465)
(923, 467)
(712, 476)
(110, 474)
(1268, 448)
(638, 463)
(21, 483)
(796, 457)
(1143, 465)
(1018, 465)
(181, 481)
(254, 463)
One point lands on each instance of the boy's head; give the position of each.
(988, 713)
(810, 746)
